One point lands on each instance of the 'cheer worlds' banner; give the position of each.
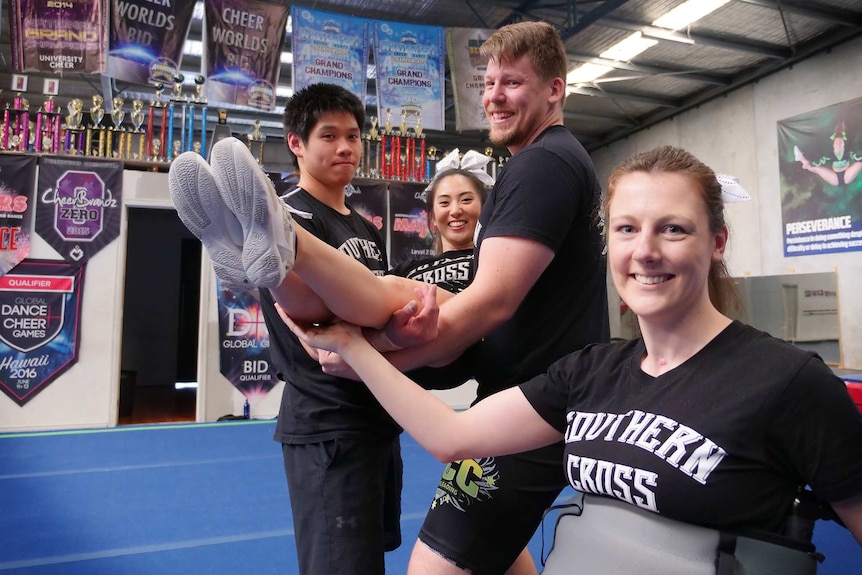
(40, 320)
(17, 181)
(468, 76)
(244, 358)
(78, 204)
(330, 49)
(58, 35)
(243, 51)
(820, 160)
(145, 43)
(410, 74)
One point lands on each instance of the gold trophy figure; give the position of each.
(256, 136)
(97, 112)
(117, 117)
(73, 143)
(138, 117)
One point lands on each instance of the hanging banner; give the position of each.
(244, 358)
(243, 51)
(331, 49)
(78, 205)
(58, 36)
(411, 236)
(145, 40)
(410, 75)
(467, 69)
(368, 199)
(820, 158)
(40, 325)
(17, 182)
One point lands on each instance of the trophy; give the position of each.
(17, 132)
(117, 117)
(256, 136)
(221, 130)
(175, 145)
(73, 143)
(47, 137)
(431, 161)
(492, 165)
(137, 123)
(197, 101)
(423, 174)
(97, 112)
(154, 143)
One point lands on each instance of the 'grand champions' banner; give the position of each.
(40, 317)
(243, 51)
(58, 36)
(410, 74)
(145, 43)
(331, 49)
(468, 76)
(78, 205)
(244, 358)
(17, 181)
(820, 160)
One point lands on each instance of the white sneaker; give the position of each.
(202, 210)
(268, 238)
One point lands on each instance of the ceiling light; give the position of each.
(627, 49)
(586, 73)
(689, 12)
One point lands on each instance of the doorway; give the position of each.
(158, 378)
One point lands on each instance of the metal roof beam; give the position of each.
(622, 94)
(648, 70)
(811, 10)
(727, 43)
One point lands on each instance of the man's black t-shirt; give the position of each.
(316, 406)
(547, 192)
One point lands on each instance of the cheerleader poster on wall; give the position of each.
(410, 75)
(17, 181)
(244, 358)
(329, 48)
(40, 302)
(820, 160)
(243, 51)
(78, 205)
(145, 40)
(58, 37)
(410, 234)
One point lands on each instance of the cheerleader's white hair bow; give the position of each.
(731, 191)
(473, 162)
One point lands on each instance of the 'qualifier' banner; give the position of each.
(330, 49)
(820, 160)
(57, 36)
(78, 204)
(244, 358)
(40, 307)
(145, 43)
(17, 181)
(243, 51)
(410, 74)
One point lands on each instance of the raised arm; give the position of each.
(483, 430)
(507, 270)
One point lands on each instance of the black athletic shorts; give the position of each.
(486, 510)
(345, 495)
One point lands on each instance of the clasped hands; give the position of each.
(412, 325)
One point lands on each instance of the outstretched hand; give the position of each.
(335, 337)
(407, 328)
